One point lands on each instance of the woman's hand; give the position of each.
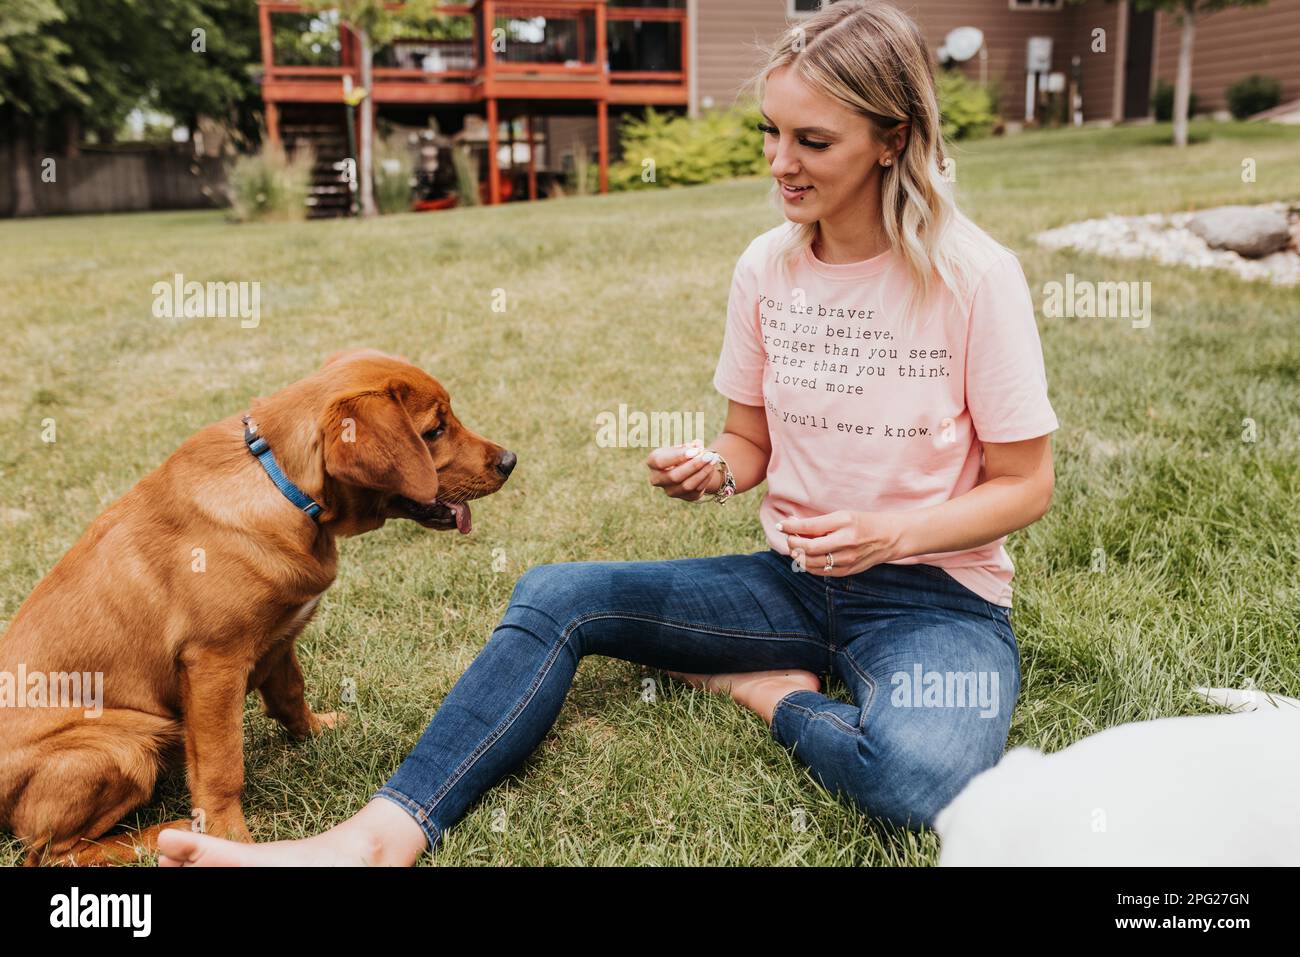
(858, 540)
(682, 472)
(1017, 491)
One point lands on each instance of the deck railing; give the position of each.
(528, 53)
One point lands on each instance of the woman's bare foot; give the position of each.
(381, 834)
(759, 691)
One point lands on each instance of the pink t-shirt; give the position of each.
(864, 416)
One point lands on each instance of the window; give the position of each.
(802, 8)
(1035, 4)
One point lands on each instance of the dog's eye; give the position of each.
(434, 433)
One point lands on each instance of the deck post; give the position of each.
(690, 56)
(493, 120)
(602, 104)
(264, 28)
(272, 114)
(532, 159)
(510, 142)
(488, 15)
(272, 110)
(602, 135)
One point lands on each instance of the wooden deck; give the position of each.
(485, 78)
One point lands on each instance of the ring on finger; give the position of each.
(830, 561)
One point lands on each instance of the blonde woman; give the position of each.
(885, 377)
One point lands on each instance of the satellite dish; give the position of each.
(963, 43)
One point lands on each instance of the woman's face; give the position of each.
(813, 141)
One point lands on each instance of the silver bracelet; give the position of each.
(728, 487)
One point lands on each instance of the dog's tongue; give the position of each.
(461, 511)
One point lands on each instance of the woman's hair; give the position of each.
(871, 57)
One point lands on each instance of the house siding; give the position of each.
(1231, 44)
(731, 33)
(1096, 69)
(1006, 37)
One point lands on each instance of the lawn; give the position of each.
(621, 299)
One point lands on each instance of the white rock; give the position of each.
(1168, 239)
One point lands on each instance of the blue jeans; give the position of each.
(933, 668)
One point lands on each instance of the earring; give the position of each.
(886, 162)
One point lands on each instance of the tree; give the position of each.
(90, 62)
(374, 23)
(219, 83)
(37, 77)
(36, 68)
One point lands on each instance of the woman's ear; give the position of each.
(897, 140)
(370, 442)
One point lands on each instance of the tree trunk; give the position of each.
(71, 134)
(365, 142)
(1183, 83)
(24, 164)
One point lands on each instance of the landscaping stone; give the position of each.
(1251, 231)
(1168, 239)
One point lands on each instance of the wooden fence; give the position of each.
(118, 180)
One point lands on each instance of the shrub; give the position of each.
(270, 185)
(1163, 102)
(394, 177)
(584, 179)
(1253, 94)
(718, 145)
(967, 110)
(466, 176)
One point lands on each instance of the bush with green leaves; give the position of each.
(1163, 102)
(669, 150)
(966, 109)
(394, 176)
(1253, 94)
(270, 185)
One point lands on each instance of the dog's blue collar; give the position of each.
(261, 450)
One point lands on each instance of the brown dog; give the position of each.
(189, 591)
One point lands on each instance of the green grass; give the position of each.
(621, 299)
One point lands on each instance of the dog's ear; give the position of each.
(370, 442)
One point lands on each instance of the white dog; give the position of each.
(1212, 790)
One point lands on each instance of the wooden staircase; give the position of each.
(325, 131)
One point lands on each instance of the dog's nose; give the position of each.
(506, 463)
